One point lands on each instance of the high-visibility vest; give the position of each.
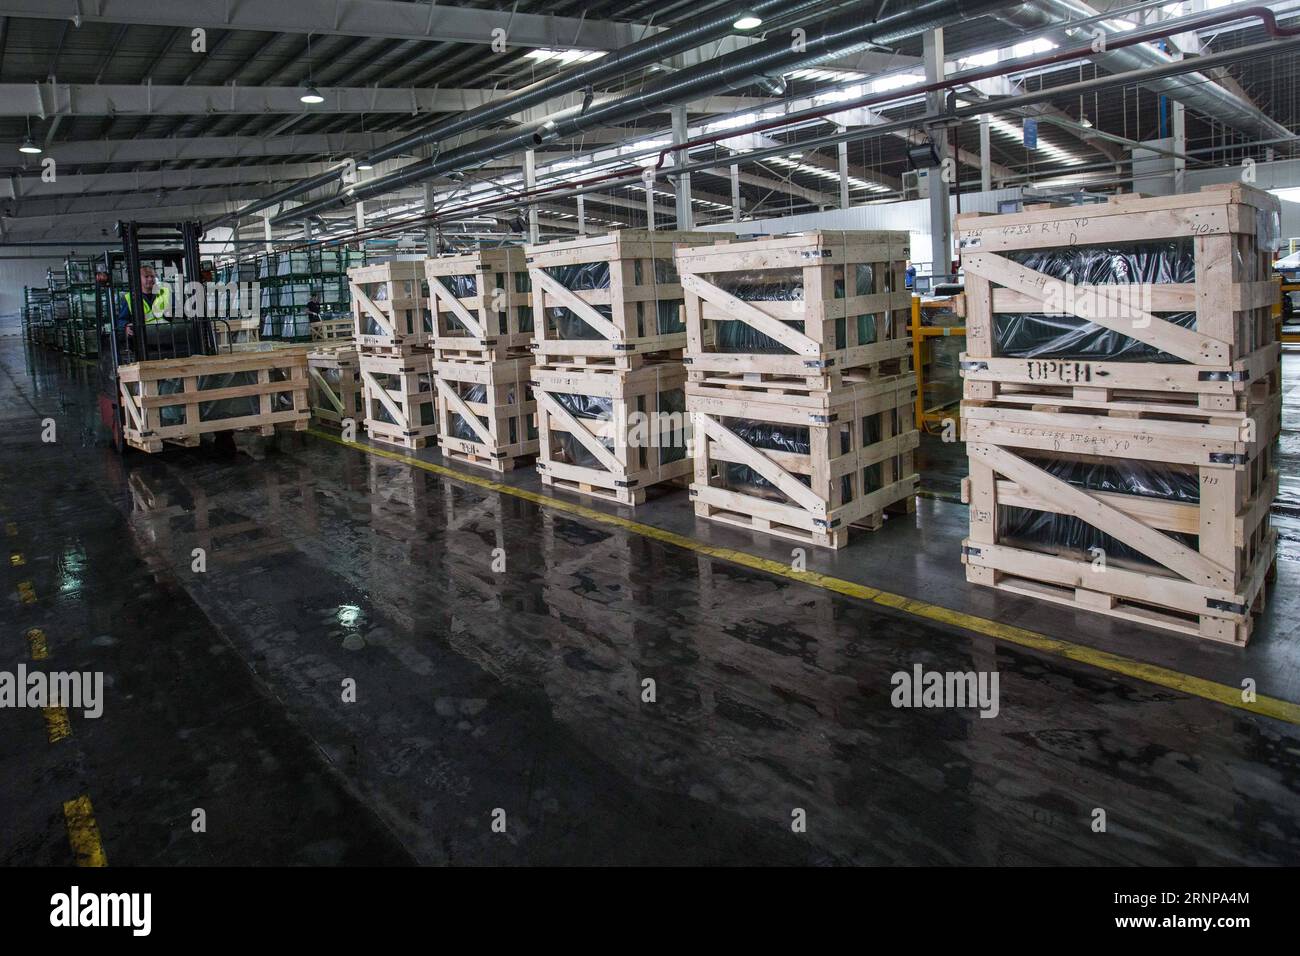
(155, 311)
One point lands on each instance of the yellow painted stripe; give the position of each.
(1273, 707)
(83, 832)
(17, 560)
(26, 592)
(36, 641)
(56, 724)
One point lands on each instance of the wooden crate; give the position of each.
(621, 473)
(638, 267)
(1232, 348)
(236, 331)
(398, 399)
(493, 319)
(502, 423)
(819, 334)
(390, 308)
(1208, 589)
(862, 435)
(170, 400)
(333, 329)
(335, 384)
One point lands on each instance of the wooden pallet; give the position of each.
(273, 380)
(399, 399)
(864, 433)
(335, 383)
(818, 333)
(493, 320)
(390, 308)
(634, 462)
(1208, 590)
(503, 424)
(641, 276)
(1233, 345)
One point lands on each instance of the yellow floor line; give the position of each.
(26, 592)
(1273, 707)
(17, 560)
(56, 724)
(83, 832)
(39, 645)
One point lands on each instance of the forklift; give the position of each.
(174, 245)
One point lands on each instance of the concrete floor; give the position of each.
(520, 690)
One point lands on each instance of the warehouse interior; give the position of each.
(407, 586)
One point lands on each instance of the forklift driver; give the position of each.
(156, 304)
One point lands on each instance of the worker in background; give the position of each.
(313, 310)
(156, 303)
(909, 278)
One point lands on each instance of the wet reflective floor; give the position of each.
(501, 656)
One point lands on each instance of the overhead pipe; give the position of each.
(1199, 92)
(836, 37)
(1289, 39)
(704, 30)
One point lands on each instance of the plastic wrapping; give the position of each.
(943, 383)
(590, 276)
(783, 285)
(672, 442)
(215, 410)
(1066, 534)
(461, 286)
(770, 436)
(459, 427)
(1034, 335)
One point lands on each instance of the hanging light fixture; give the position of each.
(29, 144)
(311, 94)
(747, 21)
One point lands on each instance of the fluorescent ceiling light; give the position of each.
(543, 55)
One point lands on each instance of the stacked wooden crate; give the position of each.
(609, 380)
(801, 383)
(483, 326)
(1121, 406)
(393, 334)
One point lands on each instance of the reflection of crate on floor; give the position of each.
(390, 307)
(398, 398)
(798, 311)
(608, 300)
(486, 413)
(481, 304)
(180, 400)
(805, 468)
(335, 384)
(611, 433)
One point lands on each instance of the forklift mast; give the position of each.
(175, 244)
